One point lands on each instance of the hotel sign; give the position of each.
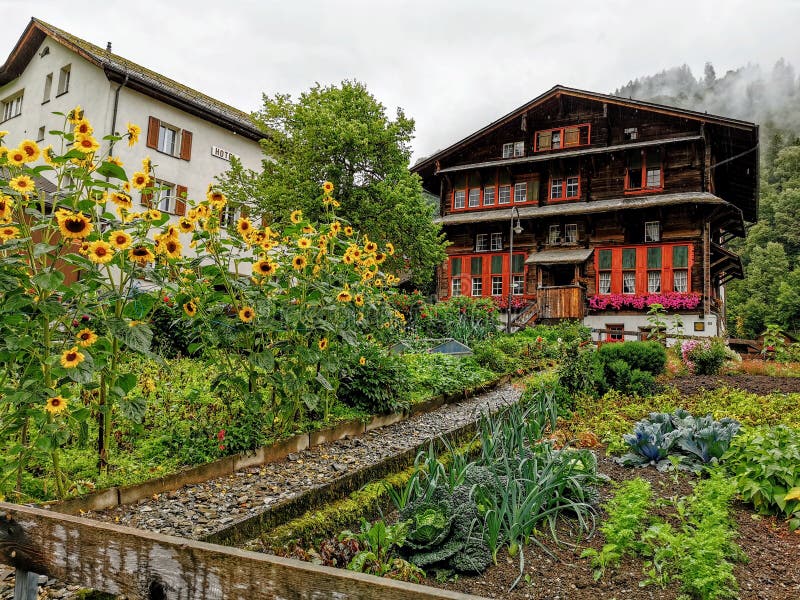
(223, 154)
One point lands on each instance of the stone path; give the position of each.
(196, 511)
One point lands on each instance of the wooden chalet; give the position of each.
(611, 204)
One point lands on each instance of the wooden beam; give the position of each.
(144, 564)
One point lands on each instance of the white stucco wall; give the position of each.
(633, 322)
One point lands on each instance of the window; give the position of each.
(643, 269)
(629, 282)
(165, 193)
(604, 283)
(563, 137)
(520, 192)
(573, 189)
(482, 242)
(48, 88)
(459, 198)
(455, 274)
(680, 281)
(631, 133)
(644, 172)
(629, 270)
(504, 197)
(168, 139)
(488, 196)
(477, 286)
(517, 287)
(497, 285)
(654, 282)
(554, 236)
(63, 80)
(40, 134)
(514, 149)
(571, 233)
(680, 266)
(474, 197)
(565, 188)
(614, 332)
(497, 241)
(556, 187)
(12, 106)
(604, 270)
(229, 216)
(652, 231)
(455, 287)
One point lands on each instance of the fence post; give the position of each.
(25, 585)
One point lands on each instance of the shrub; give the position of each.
(645, 356)
(642, 383)
(489, 356)
(618, 375)
(172, 335)
(379, 385)
(704, 357)
(462, 318)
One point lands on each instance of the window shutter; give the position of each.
(629, 258)
(654, 258)
(604, 259)
(497, 264)
(147, 199)
(680, 257)
(455, 267)
(180, 201)
(476, 265)
(152, 132)
(517, 263)
(186, 145)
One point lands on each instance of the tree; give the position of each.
(343, 135)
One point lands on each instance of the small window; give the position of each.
(497, 285)
(455, 287)
(459, 198)
(654, 282)
(63, 80)
(554, 237)
(519, 149)
(488, 196)
(168, 139)
(497, 241)
(614, 332)
(40, 134)
(508, 150)
(629, 282)
(563, 137)
(517, 287)
(482, 242)
(644, 172)
(165, 193)
(680, 280)
(556, 188)
(520, 192)
(477, 286)
(48, 88)
(229, 215)
(504, 197)
(652, 231)
(604, 283)
(12, 106)
(571, 233)
(631, 133)
(474, 197)
(573, 187)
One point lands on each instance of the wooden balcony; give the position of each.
(561, 302)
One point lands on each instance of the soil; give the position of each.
(756, 384)
(772, 571)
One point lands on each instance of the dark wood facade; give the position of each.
(614, 197)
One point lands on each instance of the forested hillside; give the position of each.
(770, 293)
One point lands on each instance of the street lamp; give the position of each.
(513, 229)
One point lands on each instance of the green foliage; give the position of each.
(380, 545)
(705, 357)
(628, 513)
(765, 464)
(434, 374)
(462, 317)
(342, 134)
(650, 356)
(379, 385)
(172, 334)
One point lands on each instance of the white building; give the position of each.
(188, 135)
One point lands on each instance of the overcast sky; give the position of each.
(453, 66)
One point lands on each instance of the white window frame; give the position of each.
(166, 194)
(12, 106)
(63, 80)
(519, 149)
(573, 187)
(520, 192)
(48, 88)
(631, 133)
(474, 199)
(652, 177)
(517, 285)
(460, 199)
(477, 286)
(508, 150)
(496, 242)
(604, 283)
(629, 283)
(554, 235)
(497, 285)
(482, 242)
(556, 183)
(229, 215)
(455, 286)
(652, 231)
(680, 280)
(654, 282)
(571, 233)
(489, 194)
(555, 140)
(162, 145)
(504, 195)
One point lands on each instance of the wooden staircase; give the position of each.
(527, 317)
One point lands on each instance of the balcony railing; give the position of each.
(561, 302)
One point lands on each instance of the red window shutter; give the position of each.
(180, 201)
(186, 145)
(147, 199)
(153, 126)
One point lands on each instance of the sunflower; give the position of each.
(153, 214)
(323, 344)
(133, 133)
(83, 249)
(347, 259)
(348, 231)
(86, 144)
(390, 248)
(202, 211)
(74, 225)
(83, 127)
(336, 227)
(120, 239)
(6, 207)
(185, 225)
(265, 268)
(172, 232)
(247, 314)
(101, 252)
(147, 164)
(71, 358)
(8, 233)
(358, 300)
(3, 133)
(141, 255)
(370, 247)
(140, 180)
(75, 115)
(304, 243)
(380, 257)
(299, 263)
(362, 361)
(172, 248)
(86, 337)
(327, 187)
(121, 199)
(216, 198)
(55, 405)
(31, 150)
(308, 230)
(296, 216)
(48, 155)
(344, 296)
(114, 160)
(190, 308)
(17, 157)
(244, 227)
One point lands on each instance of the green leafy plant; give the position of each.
(645, 356)
(374, 380)
(380, 544)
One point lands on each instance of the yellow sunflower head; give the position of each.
(6, 206)
(75, 115)
(308, 230)
(348, 231)
(343, 296)
(304, 243)
(265, 268)
(9, 232)
(244, 227)
(133, 133)
(101, 252)
(327, 188)
(141, 255)
(370, 247)
(153, 214)
(121, 199)
(16, 157)
(49, 155)
(114, 160)
(172, 247)
(86, 337)
(323, 344)
(190, 308)
(71, 358)
(86, 144)
(120, 239)
(140, 180)
(74, 225)
(362, 361)
(296, 216)
(247, 314)
(83, 127)
(185, 225)
(216, 198)
(336, 227)
(55, 405)
(359, 300)
(31, 150)
(299, 263)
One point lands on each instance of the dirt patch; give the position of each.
(756, 384)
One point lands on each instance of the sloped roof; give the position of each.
(137, 77)
(559, 256)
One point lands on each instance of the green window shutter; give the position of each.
(680, 257)
(455, 267)
(604, 259)
(629, 258)
(477, 265)
(504, 177)
(654, 258)
(517, 263)
(497, 264)
(533, 190)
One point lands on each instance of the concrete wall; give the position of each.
(633, 322)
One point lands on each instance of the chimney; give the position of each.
(108, 47)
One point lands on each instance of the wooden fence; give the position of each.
(146, 565)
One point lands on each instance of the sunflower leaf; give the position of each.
(48, 280)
